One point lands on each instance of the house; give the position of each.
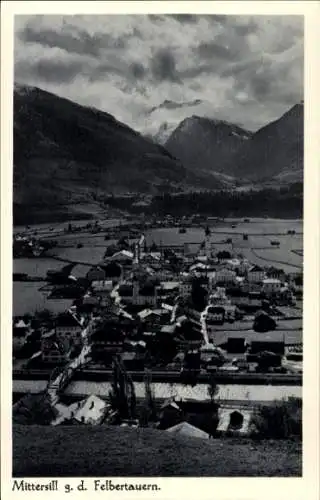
(234, 421)
(54, 350)
(133, 360)
(185, 286)
(20, 331)
(123, 256)
(219, 297)
(90, 300)
(256, 274)
(168, 288)
(170, 414)
(144, 295)
(297, 285)
(251, 286)
(225, 276)
(154, 316)
(108, 335)
(69, 326)
(271, 286)
(125, 293)
(233, 264)
(189, 335)
(230, 312)
(215, 315)
(105, 342)
(91, 411)
(96, 273)
(101, 288)
(243, 267)
(152, 258)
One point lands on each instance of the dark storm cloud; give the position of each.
(137, 70)
(81, 43)
(163, 66)
(49, 70)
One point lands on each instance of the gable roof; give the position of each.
(186, 429)
(125, 290)
(255, 269)
(21, 324)
(68, 319)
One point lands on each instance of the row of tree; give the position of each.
(284, 202)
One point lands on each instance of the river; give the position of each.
(164, 390)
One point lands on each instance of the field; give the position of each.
(257, 249)
(28, 298)
(85, 451)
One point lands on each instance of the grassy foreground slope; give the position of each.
(106, 451)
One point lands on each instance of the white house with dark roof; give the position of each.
(271, 286)
(225, 275)
(256, 274)
(122, 256)
(69, 326)
(102, 287)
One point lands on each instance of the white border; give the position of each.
(215, 488)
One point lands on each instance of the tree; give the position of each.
(198, 296)
(122, 395)
(223, 255)
(149, 412)
(153, 247)
(213, 389)
(263, 322)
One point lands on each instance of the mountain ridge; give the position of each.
(65, 153)
(208, 142)
(273, 152)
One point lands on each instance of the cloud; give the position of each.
(167, 104)
(54, 71)
(77, 41)
(243, 69)
(163, 66)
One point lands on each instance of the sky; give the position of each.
(150, 70)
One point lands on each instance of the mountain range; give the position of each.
(66, 155)
(273, 154)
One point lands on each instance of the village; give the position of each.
(150, 315)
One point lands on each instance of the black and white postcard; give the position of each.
(160, 249)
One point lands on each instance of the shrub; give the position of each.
(280, 420)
